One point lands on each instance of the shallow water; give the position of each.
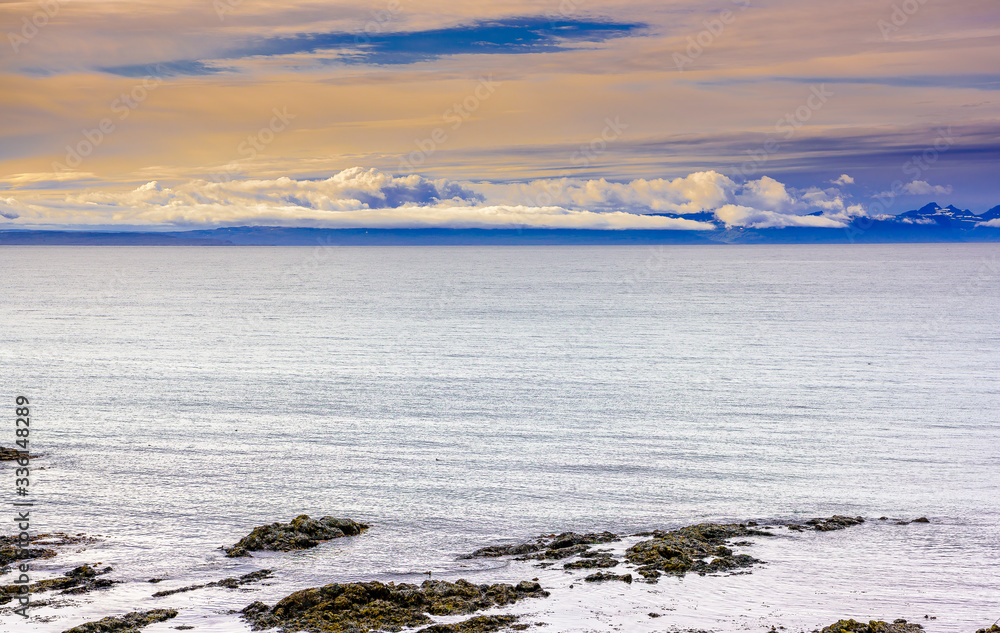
(454, 397)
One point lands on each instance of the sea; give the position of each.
(458, 397)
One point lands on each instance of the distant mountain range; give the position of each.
(931, 223)
(950, 216)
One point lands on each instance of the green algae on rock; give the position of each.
(10, 553)
(478, 624)
(228, 583)
(128, 623)
(302, 533)
(547, 546)
(376, 606)
(836, 522)
(696, 548)
(11, 550)
(592, 560)
(875, 626)
(83, 579)
(992, 629)
(603, 576)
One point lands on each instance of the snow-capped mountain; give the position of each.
(947, 216)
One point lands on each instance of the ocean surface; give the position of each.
(457, 397)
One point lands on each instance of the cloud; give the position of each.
(488, 216)
(36, 180)
(7, 208)
(923, 188)
(844, 179)
(766, 193)
(995, 223)
(736, 215)
(696, 193)
(351, 189)
(353, 198)
(370, 198)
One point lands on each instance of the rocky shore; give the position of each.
(704, 549)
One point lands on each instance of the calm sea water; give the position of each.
(455, 397)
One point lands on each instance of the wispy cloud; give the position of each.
(511, 36)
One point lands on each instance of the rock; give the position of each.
(830, 524)
(602, 576)
(602, 561)
(371, 606)
(921, 520)
(697, 548)
(128, 623)
(301, 533)
(8, 454)
(11, 551)
(80, 580)
(875, 626)
(552, 546)
(992, 629)
(835, 522)
(478, 624)
(13, 454)
(229, 583)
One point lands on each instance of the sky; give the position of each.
(550, 113)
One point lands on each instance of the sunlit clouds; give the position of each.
(358, 198)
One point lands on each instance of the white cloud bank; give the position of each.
(368, 198)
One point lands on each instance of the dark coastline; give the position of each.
(868, 233)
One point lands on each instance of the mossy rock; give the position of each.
(547, 546)
(83, 579)
(603, 561)
(836, 522)
(696, 548)
(874, 626)
(128, 623)
(603, 576)
(478, 624)
(376, 606)
(11, 553)
(228, 583)
(301, 533)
